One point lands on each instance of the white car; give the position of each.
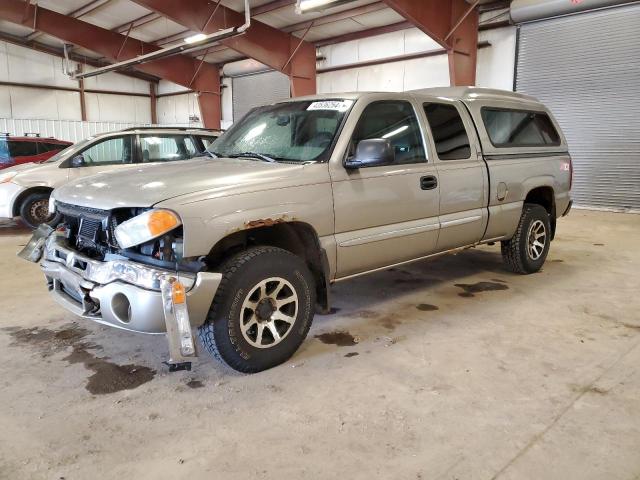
(25, 189)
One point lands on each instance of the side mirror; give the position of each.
(374, 152)
(77, 161)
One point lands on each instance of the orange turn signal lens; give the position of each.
(178, 293)
(162, 221)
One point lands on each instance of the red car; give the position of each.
(28, 149)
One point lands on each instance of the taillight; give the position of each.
(568, 167)
(570, 173)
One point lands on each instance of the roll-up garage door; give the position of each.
(258, 89)
(586, 68)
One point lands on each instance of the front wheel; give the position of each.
(262, 310)
(528, 249)
(34, 210)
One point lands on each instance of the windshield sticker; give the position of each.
(335, 105)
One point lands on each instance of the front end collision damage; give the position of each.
(124, 294)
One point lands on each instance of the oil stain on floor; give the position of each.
(470, 289)
(425, 307)
(195, 384)
(107, 377)
(339, 338)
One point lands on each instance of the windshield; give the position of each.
(70, 150)
(292, 132)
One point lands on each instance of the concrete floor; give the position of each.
(534, 377)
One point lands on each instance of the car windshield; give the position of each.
(301, 131)
(70, 150)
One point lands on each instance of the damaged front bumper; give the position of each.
(125, 294)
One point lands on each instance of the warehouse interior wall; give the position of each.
(20, 66)
(131, 102)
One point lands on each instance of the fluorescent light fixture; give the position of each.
(396, 132)
(305, 6)
(195, 38)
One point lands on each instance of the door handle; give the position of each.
(428, 183)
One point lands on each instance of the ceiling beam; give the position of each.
(77, 13)
(451, 23)
(181, 69)
(279, 50)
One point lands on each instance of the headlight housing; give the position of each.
(7, 177)
(52, 205)
(146, 226)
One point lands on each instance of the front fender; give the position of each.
(209, 220)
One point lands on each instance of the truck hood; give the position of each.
(147, 185)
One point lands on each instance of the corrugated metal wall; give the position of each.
(70, 130)
(586, 68)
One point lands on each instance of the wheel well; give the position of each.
(296, 237)
(18, 203)
(545, 197)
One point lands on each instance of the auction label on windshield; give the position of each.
(336, 105)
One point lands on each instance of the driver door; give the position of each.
(103, 156)
(386, 214)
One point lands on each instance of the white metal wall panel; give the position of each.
(73, 131)
(496, 64)
(260, 89)
(586, 68)
(176, 110)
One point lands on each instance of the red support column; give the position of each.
(453, 25)
(463, 53)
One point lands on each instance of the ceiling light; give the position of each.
(305, 6)
(195, 38)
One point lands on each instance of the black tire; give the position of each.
(222, 334)
(516, 253)
(34, 210)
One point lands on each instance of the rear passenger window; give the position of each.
(395, 121)
(519, 128)
(51, 147)
(22, 149)
(449, 134)
(161, 148)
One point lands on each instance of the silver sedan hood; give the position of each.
(147, 185)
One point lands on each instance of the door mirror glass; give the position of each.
(374, 152)
(77, 161)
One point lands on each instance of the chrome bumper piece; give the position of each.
(120, 293)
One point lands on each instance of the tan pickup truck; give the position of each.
(244, 244)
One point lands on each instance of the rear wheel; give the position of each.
(262, 311)
(527, 251)
(35, 210)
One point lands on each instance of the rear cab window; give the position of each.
(512, 128)
(448, 131)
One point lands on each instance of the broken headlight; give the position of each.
(146, 226)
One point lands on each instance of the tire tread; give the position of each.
(206, 332)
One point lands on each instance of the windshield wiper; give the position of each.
(259, 156)
(211, 154)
